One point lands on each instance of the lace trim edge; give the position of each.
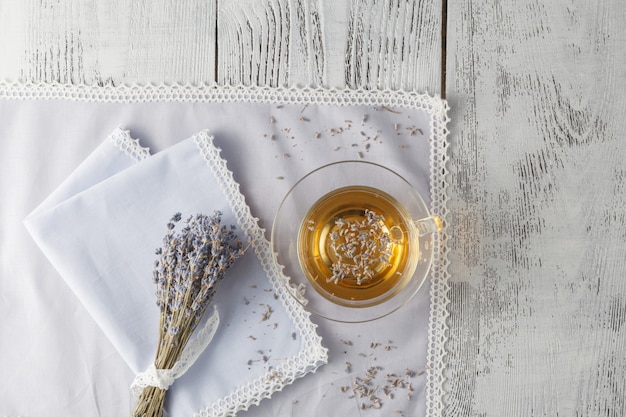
(218, 93)
(313, 354)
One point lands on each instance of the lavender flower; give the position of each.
(360, 247)
(189, 267)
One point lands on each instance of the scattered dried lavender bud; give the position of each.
(376, 403)
(390, 110)
(416, 130)
(267, 313)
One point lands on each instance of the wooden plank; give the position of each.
(538, 202)
(12, 39)
(394, 45)
(359, 44)
(90, 42)
(362, 44)
(254, 42)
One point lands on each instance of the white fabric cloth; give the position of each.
(102, 241)
(270, 139)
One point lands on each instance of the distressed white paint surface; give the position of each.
(108, 43)
(538, 175)
(538, 179)
(358, 44)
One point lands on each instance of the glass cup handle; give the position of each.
(428, 225)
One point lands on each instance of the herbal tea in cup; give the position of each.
(355, 241)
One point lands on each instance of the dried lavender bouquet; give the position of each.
(187, 272)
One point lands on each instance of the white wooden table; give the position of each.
(538, 178)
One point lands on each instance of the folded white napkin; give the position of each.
(100, 229)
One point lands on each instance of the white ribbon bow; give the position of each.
(163, 378)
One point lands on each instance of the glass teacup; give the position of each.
(355, 240)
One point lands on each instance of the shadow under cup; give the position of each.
(355, 240)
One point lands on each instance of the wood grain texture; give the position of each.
(363, 44)
(394, 45)
(537, 199)
(12, 38)
(368, 44)
(255, 42)
(108, 43)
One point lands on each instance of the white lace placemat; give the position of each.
(270, 138)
